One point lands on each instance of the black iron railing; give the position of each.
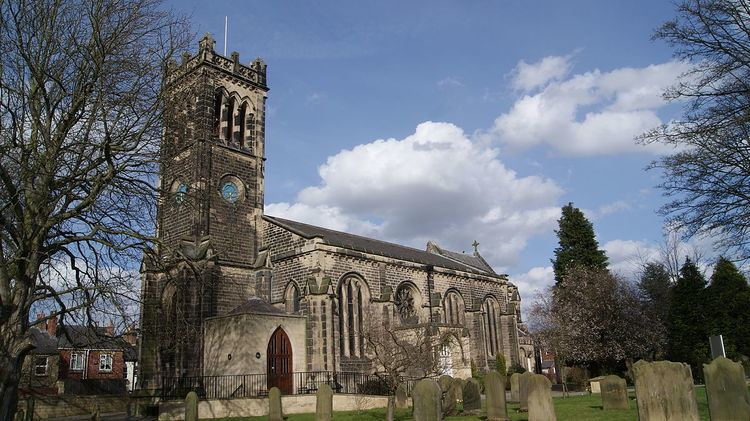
(257, 385)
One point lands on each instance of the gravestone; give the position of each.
(426, 400)
(191, 407)
(448, 400)
(728, 398)
(494, 392)
(274, 405)
(523, 390)
(458, 384)
(445, 382)
(614, 391)
(515, 393)
(20, 416)
(401, 396)
(323, 403)
(664, 391)
(472, 397)
(540, 398)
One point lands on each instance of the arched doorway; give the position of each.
(279, 366)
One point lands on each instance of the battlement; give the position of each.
(254, 73)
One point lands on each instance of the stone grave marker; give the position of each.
(540, 404)
(401, 396)
(20, 416)
(515, 393)
(445, 382)
(523, 390)
(274, 405)
(664, 391)
(472, 397)
(494, 392)
(728, 398)
(426, 400)
(614, 391)
(323, 403)
(191, 406)
(459, 385)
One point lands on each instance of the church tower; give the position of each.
(210, 208)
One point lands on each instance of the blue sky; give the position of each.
(454, 121)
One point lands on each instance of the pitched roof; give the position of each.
(256, 305)
(473, 260)
(42, 341)
(383, 248)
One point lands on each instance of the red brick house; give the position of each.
(77, 360)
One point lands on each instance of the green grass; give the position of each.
(576, 408)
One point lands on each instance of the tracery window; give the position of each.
(353, 295)
(407, 302)
(453, 308)
(491, 311)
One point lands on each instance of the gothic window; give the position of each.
(491, 311)
(242, 117)
(218, 105)
(453, 308)
(407, 302)
(353, 294)
(291, 298)
(230, 120)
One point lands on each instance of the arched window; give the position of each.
(243, 124)
(291, 298)
(491, 311)
(230, 119)
(218, 106)
(407, 301)
(453, 308)
(353, 295)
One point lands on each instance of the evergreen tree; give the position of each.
(688, 322)
(729, 308)
(578, 245)
(654, 288)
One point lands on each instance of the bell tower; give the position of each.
(213, 155)
(209, 212)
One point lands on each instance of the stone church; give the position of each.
(231, 290)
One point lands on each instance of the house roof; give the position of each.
(80, 337)
(42, 341)
(445, 259)
(256, 305)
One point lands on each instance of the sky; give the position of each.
(456, 121)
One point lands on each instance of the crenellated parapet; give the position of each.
(253, 73)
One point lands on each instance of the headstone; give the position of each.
(323, 403)
(20, 416)
(445, 382)
(515, 393)
(494, 391)
(274, 405)
(614, 391)
(728, 398)
(523, 390)
(459, 385)
(472, 398)
(191, 406)
(401, 396)
(426, 400)
(664, 391)
(540, 403)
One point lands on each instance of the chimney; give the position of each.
(111, 328)
(52, 326)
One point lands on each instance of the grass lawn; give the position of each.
(576, 408)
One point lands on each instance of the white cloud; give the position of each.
(537, 279)
(590, 113)
(448, 82)
(529, 76)
(436, 184)
(626, 257)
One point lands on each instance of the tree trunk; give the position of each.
(10, 375)
(390, 412)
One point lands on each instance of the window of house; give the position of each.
(76, 361)
(105, 362)
(40, 366)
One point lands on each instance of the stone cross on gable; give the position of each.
(475, 244)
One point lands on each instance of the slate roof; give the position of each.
(473, 260)
(80, 337)
(382, 248)
(256, 305)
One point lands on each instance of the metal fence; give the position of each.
(256, 385)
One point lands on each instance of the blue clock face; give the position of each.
(180, 193)
(230, 192)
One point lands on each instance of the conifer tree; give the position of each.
(654, 287)
(688, 321)
(728, 299)
(577, 244)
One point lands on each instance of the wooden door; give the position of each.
(279, 366)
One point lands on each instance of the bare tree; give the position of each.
(80, 124)
(706, 177)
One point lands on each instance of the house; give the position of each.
(78, 360)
